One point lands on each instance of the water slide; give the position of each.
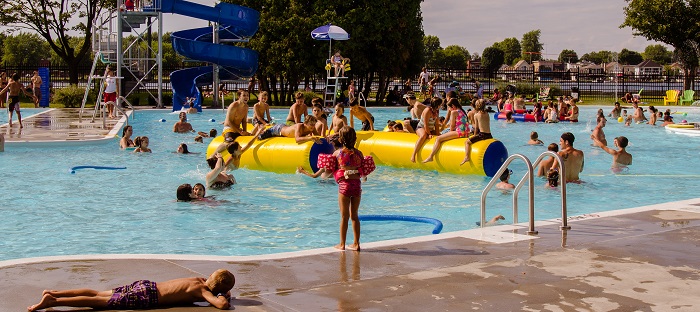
(235, 22)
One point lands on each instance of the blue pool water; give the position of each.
(26, 112)
(48, 211)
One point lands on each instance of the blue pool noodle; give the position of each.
(437, 223)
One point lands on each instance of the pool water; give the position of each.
(48, 211)
(26, 112)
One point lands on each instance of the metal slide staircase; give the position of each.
(528, 177)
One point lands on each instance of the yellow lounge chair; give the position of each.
(671, 97)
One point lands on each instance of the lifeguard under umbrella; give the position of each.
(329, 32)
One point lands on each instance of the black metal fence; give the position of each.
(603, 86)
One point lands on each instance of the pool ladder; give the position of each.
(529, 177)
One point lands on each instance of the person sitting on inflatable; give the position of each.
(459, 127)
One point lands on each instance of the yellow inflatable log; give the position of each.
(395, 148)
(281, 155)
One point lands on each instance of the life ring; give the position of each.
(437, 223)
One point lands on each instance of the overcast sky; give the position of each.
(583, 26)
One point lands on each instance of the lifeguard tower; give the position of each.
(122, 38)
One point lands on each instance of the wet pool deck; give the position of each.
(639, 259)
(61, 127)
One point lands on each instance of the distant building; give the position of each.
(648, 68)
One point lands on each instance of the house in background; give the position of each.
(648, 68)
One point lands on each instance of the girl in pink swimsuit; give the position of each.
(459, 127)
(349, 186)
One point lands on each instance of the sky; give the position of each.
(582, 26)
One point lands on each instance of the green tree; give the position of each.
(568, 56)
(375, 55)
(658, 53)
(511, 50)
(2, 44)
(598, 57)
(432, 46)
(531, 43)
(674, 22)
(25, 49)
(628, 57)
(491, 59)
(76, 42)
(54, 20)
(453, 57)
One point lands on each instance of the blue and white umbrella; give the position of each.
(329, 33)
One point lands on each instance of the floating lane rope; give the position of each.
(72, 170)
(435, 222)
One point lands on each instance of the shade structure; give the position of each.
(329, 32)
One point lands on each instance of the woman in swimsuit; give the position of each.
(3, 84)
(217, 178)
(459, 127)
(428, 125)
(349, 186)
(126, 138)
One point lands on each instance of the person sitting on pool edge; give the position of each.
(144, 294)
(301, 132)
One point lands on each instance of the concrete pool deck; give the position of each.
(62, 127)
(639, 259)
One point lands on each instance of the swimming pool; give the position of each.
(26, 112)
(48, 211)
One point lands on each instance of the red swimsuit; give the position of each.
(347, 158)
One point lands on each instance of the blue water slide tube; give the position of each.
(236, 22)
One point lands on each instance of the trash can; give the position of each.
(574, 92)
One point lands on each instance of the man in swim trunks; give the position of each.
(36, 88)
(482, 129)
(14, 87)
(573, 158)
(301, 132)
(621, 158)
(363, 115)
(237, 114)
(297, 110)
(146, 294)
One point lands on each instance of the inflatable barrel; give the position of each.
(395, 148)
(278, 154)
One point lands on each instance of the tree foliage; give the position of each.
(54, 20)
(628, 57)
(386, 40)
(598, 57)
(431, 46)
(531, 43)
(452, 57)
(25, 49)
(674, 22)
(658, 53)
(492, 59)
(512, 51)
(568, 56)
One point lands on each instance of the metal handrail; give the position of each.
(531, 196)
(562, 183)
